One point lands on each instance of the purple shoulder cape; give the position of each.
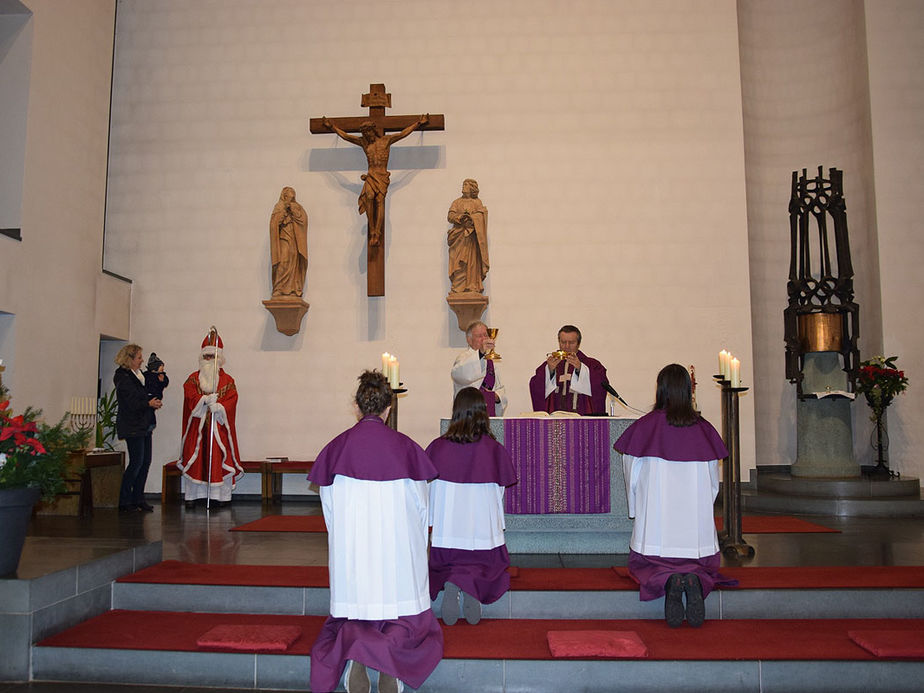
(652, 436)
(371, 451)
(483, 462)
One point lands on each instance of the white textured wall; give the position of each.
(49, 280)
(806, 104)
(606, 138)
(896, 69)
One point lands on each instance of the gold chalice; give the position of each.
(493, 355)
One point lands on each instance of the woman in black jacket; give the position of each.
(134, 425)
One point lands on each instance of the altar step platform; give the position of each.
(869, 495)
(783, 629)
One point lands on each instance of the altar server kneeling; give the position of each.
(670, 459)
(373, 488)
(467, 551)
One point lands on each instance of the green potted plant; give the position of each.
(32, 459)
(106, 408)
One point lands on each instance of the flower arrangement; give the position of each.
(32, 453)
(880, 381)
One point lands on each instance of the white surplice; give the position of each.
(377, 536)
(672, 503)
(466, 516)
(469, 370)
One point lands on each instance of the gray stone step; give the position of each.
(252, 671)
(721, 604)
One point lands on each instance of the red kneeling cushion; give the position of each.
(596, 643)
(249, 638)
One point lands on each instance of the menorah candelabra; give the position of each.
(83, 414)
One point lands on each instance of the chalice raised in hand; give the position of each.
(493, 355)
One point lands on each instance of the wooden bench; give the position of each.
(270, 478)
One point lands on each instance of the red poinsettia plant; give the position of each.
(33, 453)
(880, 381)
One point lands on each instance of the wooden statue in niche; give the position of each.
(288, 230)
(376, 144)
(468, 254)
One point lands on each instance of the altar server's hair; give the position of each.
(373, 396)
(469, 417)
(674, 395)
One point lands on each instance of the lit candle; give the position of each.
(723, 364)
(393, 372)
(735, 376)
(385, 358)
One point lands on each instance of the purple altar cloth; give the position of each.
(563, 466)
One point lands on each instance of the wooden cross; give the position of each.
(376, 144)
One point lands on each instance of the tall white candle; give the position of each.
(385, 358)
(394, 372)
(735, 373)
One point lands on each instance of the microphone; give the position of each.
(609, 389)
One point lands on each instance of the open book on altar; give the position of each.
(831, 393)
(546, 415)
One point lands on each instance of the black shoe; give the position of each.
(696, 604)
(673, 600)
(190, 505)
(129, 509)
(145, 507)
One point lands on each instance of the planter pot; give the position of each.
(15, 512)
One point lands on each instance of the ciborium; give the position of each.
(493, 355)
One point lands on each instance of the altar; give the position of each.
(571, 495)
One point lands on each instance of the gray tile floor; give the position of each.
(59, 542)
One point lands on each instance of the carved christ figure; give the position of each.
(288, 245)
(376, 179)
(468, 241)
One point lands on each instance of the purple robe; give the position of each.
(652, 436)
(372, 451)
(483, 462)
(481, 573)
(652, 573)
(408, 647)
(594, 404)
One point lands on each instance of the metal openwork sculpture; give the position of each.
(821, 315)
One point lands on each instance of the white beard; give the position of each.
(208, 375)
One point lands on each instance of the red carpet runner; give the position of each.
(784, 639)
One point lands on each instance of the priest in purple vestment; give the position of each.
(373, 488)
(472, 369)
(569, 380)
(468, 553)
(670, 459)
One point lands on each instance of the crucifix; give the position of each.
(376, 144)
